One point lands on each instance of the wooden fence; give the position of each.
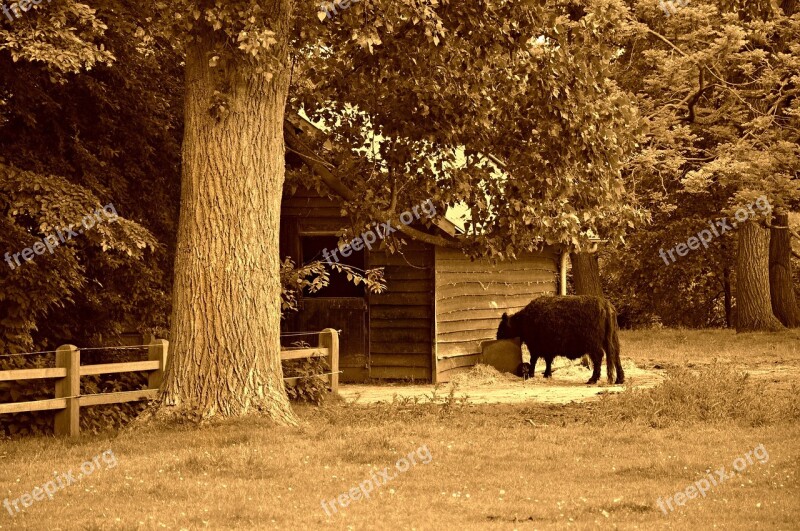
(328, 348)
(68, 371)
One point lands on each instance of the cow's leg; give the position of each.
(620, 372)
(548, 372)
(597, 361)
(532, 370)
(610, 367)
(523, 370)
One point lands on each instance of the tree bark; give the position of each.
(225, 328)
(726, 287)
(753, 307)
(586, 274)
(781, 279)
(586, 279)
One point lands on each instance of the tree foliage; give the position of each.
(507, 108)
(80, 132)
(716, 84)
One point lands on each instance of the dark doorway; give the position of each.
(314, 248)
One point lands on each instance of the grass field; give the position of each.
(526, 466)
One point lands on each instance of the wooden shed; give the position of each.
(438, 308)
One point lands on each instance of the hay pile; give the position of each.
(482, 375)
(564, 368)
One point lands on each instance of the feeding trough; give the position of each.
(505, 355)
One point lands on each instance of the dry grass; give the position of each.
(712, 393)
(687, 347)
(494, 467)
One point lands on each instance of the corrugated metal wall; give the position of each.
(472, 296)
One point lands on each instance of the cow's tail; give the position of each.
(611, 346)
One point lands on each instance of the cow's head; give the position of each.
(506, 329)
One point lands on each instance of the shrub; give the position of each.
(310, 387)
(22, 424)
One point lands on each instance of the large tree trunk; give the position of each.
(781, 279)
(225, 336)
(753, 307)
(586, 274)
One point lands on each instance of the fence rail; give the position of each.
(68, 371)
(31, 374)
(328, 348)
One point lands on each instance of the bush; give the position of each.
(23, 424)
(310, 387)
(96, 419)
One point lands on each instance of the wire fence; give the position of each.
(134, 347)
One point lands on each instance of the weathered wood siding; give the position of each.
(311, 212)
(472, 296)
(401, 319)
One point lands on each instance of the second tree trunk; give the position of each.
(586, 274)
(754, 309)
(781, 279)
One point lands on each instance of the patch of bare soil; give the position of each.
(486, 385)
(778, 376)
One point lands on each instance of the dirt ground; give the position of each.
(773, 359)
(485, 385)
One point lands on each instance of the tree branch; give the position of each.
(724, 84)
(692, 100)
(315, 163)
(318, 166)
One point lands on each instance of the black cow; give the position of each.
(569, 326)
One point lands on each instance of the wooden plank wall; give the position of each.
(399, 321)
(401, 332)
(312, 212)
(472, 296)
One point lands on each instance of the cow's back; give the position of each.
(564, 326)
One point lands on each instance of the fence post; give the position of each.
(158, 350)
(329, 339)
(67, 421)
